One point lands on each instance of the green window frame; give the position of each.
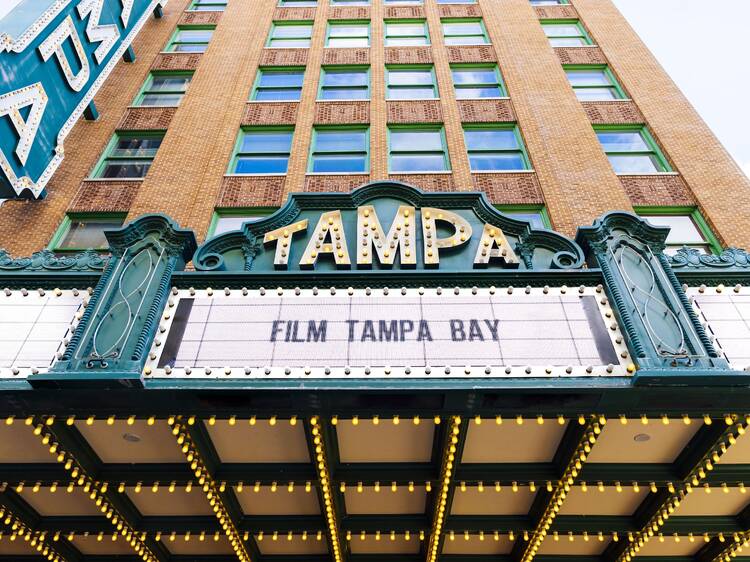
(298, 3)
(208, 5)
(234, 215)
(537, 215)
(71, 231)
(549, 2)
(344, 83)
(290, 35)
(409, 82)
(495, 148)
(348, 33)
(566, 33)
(632, 150)
(404, 154)
(487, 82)
(128, 155)
(181, 41)
(593, 82)
(262, 151)
(404, 33)
(460, 31)
(278, 83)
(327, 158)
(163, 89)
(709, 243)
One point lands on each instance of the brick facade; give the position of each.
(571, 176)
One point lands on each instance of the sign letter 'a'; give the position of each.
(107, 35)
(11, 105)
(53, 45)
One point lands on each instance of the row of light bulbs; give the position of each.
(446, 473)
(37, 540)
(324, 479)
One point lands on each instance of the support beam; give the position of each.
(91, 113)
(158, 11)
(129, 54)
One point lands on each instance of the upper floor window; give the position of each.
(190, 39)
(292, 34)
(208, 5)
(405, 2)
(262, 150)
(299, 3)
(344, 83)
(128, 155)
(233, 219)
(593, 83)
(477, 81)
(410, 82)
(687, 228)
(548, 2)
(456, 1)
(404, 33)
(348, 34)
(566, 33)
(464, 32)
(278, 84)
(339, 150)
(350, 2)
(83, 232)
(164, 89)
(632, 150)
(495, 148)
(417, 149)
(536, 215)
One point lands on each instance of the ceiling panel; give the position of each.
(262, 442)
(385, 501)
(385, 441)
(195, 546)
(164, 502)
(92, 545)
(45, 502)
(668, 546)
(296, 546)
(491, 502)
(384, 545)
(635, 442)
(563, 546)
(280, 502)
(607, 502)
(511, 442)
(138, 442)
(19, 444)
(487, 546)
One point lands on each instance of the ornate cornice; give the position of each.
(691, 258)
(48, 261)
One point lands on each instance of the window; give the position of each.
(410, 82)
(412, 149)
(402, 2)
(548, 2)
(566, 33)
(456, 1)
(406, 33)
(290, 35)
(339, 150)
(465, 32)
(82, 232)
(350, 2)
(128, 155)
(208, 5)
(278, 84)
(164, 89)
(688, 228)
(632, 151)
(536, 215)
(190, 39)
(262, 151)
(477, 82)
(593, 83)
(495, 148)
(348, 34)
(344, 83)
(299, 3)
(233, 219)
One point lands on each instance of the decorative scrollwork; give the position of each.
(694, 258)
(46, 260)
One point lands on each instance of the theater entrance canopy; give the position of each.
(384, 375)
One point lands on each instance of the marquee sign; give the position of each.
(54, 55)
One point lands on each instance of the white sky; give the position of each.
(705, 47)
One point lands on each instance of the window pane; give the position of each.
(194, 35)
(339, 163)
(561, 29)
(478, 76)
(496, 161)
(408, 77)
(88, 234)
(534, 218)
(275, 94)
(348, 31)
(588, 77)
(468, 93)
(267, 141)
(625, 141)
(463, 28)
(126, 169)
(596, 94)
(188, 48)
(292, 31)
(404, 29)
(567, 42)
(644, 164)
(345, 78)
(684, 230)
(411, 93)
(261, 164)
(491, 139)
(405, 41)
(468, 40)
(344, 94)
(230, 222)
(161, 99)
(136, 147)
(417, 163)
(281, 78)
(408, 140)
(340, 141)
(169, 83)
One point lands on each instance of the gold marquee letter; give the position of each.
(494, 244)
(401, 237)
(283, 238)
(432, 244)
(328, 238)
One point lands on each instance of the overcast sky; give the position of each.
(705, 46)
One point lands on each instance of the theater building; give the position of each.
(364, 281)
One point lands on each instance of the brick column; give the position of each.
(576, 178)
(721, 189)
(378, 127)
(187, 172)
(38, 220)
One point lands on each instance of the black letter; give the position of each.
(405, 327)
(475, 333)
(389, 333)
(296, 339)
(424, 331)
(368, 332)
(275, 329)
(351, 329)
(316, 333)
(492, 325)
(457, 330)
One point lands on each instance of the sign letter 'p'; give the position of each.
(432, 244)
(53, 45)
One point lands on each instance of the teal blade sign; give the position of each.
(54, 56)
